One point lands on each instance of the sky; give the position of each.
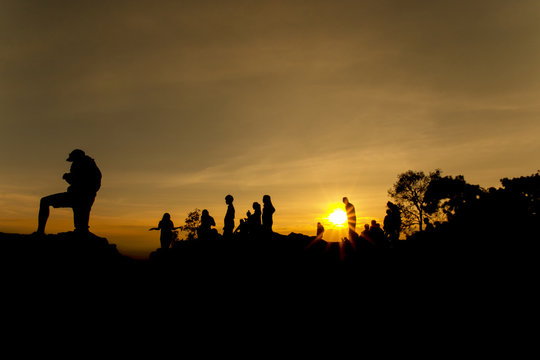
(183, 102)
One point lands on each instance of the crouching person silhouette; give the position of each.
(84, 179)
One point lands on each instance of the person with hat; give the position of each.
(84, 179)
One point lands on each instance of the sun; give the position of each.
(338, 217)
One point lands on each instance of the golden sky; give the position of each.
(183, 102)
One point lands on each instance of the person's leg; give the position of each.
(56, 201)
(81, 212)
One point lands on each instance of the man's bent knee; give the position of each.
(45, 201)
(57, 200)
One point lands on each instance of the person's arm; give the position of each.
(67, 177)
(77, 174)
(153, 229)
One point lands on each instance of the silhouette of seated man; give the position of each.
(242, 227)
(320, 231)
(84, 179)
(205, 230)
(376, 234)
(254, 220)
(319, 236)
(365, 234)
(167, 235)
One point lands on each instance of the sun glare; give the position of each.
(338, 217)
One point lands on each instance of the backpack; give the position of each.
(96, 176)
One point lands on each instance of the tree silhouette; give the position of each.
(408, 193)
(526, 189)
(448, 196)
(191, 225)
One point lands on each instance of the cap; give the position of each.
(77, 153)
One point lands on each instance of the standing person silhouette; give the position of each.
(395, 212)
(166, 226)
(351, 218)
(84, 179)
(267, 213)
(228, 227)
(388, 227)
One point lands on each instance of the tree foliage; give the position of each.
(469, 211)
(191, 224)
(408, 193)
(525, 191)
(449, 196)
